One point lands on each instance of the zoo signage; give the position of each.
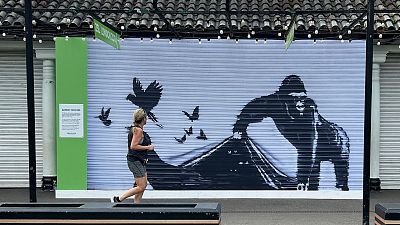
(105, 34)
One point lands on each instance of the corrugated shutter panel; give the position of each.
(389, 154)
(220, 77)
(14, 122)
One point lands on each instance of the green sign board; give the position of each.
(105, 34)
(289, 36)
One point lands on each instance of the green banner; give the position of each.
(289, 36)
(71, 101)
(105, 34)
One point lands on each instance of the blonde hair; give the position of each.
(138, 116)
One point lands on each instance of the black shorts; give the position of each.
(137, 168)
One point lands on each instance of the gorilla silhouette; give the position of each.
(239, 163)
(297, 119)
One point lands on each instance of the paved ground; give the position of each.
(260, 211)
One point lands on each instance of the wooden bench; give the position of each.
(109, 213)
(387, 213)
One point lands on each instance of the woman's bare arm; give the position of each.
(137, 135)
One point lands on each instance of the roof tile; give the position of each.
(146, 19)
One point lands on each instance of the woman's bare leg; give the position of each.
(138, 196)
(141, 186)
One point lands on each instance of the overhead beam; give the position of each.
(263, 12)
(166, 21)
(359, 18)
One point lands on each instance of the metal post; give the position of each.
(367, 109)
(30, 88)
(228, 17)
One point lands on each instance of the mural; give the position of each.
(103, 117)
(225, 138)
(146, 99)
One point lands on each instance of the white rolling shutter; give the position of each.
(220, 77)
(14, 120)
(390, 123)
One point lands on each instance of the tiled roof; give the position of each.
(139, 14)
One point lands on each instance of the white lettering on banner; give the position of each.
(106, 34)
(109, 35)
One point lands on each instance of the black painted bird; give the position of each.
(189, 132)
(104, 117)
(147, 99)
(183, 139)
(202, 135)
(195, 114)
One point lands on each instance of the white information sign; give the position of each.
(71, 120)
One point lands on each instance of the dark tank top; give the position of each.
(138, 155)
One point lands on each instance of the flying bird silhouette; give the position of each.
(195, 114)
(189, 132)
(202, 135)
(183, 139)
(146, 99)
(103, 117)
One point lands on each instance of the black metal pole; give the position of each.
(228, 17)
(367, 109)
(30, 92)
